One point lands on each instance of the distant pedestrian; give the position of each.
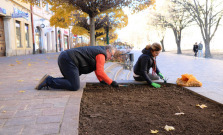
(195, 49)
(200, 49)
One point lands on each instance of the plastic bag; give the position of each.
(188, 80)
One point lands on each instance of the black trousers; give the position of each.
(71, 79)
(152, 77)
(195, 53)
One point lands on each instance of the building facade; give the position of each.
(48, 38)
(25, 29)
(15, 28)
(43, 33)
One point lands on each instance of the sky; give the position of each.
(138, 33)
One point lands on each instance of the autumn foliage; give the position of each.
(71, 11)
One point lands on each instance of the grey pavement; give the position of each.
(25, 111)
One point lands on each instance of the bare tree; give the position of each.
(175, 18)
(160, 25)
(207, 14)
(177, 21)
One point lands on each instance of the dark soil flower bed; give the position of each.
(138, 109)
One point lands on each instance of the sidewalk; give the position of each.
(208, 71)
(26, 111)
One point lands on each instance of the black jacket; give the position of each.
(195, 48)
(84, 57)
(143, 65)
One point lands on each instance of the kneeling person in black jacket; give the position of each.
(146, 61)
(77, 61)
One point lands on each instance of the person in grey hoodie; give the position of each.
(146, 61)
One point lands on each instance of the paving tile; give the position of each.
(2, 122)
(40, 106)
(57, 102)
(53, 111)
(28, 113)
(42, 129)
(20, 121)
(74, 100)
(12, 130)
(69, 126)
(4, 114)
(49, 119)
(72, 110)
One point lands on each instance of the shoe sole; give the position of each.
(41, 81)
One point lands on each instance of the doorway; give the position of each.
(38, 41)
(2, 38)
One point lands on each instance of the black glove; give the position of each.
(114, 84)
(103, 82)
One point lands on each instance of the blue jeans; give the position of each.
(71, 79)
(200, 53)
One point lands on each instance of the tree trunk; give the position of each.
(179, 43)
(207, 49)
(92, 31)
(162, 43)
(178, 40)
(107, 37)
(178, 47)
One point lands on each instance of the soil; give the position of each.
(138, 109)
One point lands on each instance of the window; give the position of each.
(18, 34)
(27, 36)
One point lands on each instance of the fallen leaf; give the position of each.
(29, 64)
(181, 113)
(46, 62)
(4, 111)
(169, 128)
(21, 91)
(18, 62)
(20, 80)
(37, 79)
(201, 106)
(11, 65)
(154, 131)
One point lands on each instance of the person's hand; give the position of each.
(156, 85)
(114, 84)
(103, 82)
(161, 76)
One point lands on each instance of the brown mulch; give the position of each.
(138, 109)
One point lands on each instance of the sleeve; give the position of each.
(99, 72)
(144, 69)
(157, 70)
